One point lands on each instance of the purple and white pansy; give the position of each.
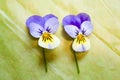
(78, 27)
(44, 28)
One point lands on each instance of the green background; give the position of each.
(21, 58)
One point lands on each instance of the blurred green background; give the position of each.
(21, 58)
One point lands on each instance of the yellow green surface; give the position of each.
(21, 58)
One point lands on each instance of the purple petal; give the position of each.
(48, 17)
(35, 25)
(84, 17)
(72, 30)
(35, 19)
(51, 25)
(36, 30)
(71, 20)
(86, 28)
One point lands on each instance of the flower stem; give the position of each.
(77, 66)
(44, 59)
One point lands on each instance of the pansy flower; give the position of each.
(44, 28)
(78, 27)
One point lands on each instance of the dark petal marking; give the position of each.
(77, 32)
(48, 29)
(40, 31)
(83, 31)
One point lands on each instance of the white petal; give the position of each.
(48, 41)
(81, 44)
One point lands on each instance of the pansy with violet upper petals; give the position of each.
(78, 27)
(43, 28)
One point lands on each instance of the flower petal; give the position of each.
(48, 41)
(48, 16)
(81, 45)
(71, 20)
(71, 30)
(35, 19)
(34, 23)
(86, 28)
(84, 17)
(51, 25)
(36, 30)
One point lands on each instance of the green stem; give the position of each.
(44, 59)
(77, 66)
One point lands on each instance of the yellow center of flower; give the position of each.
(80, 39)
(46, 37)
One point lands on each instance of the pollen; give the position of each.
(80, 39)
(46, 37)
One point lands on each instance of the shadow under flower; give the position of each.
(50, 56)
